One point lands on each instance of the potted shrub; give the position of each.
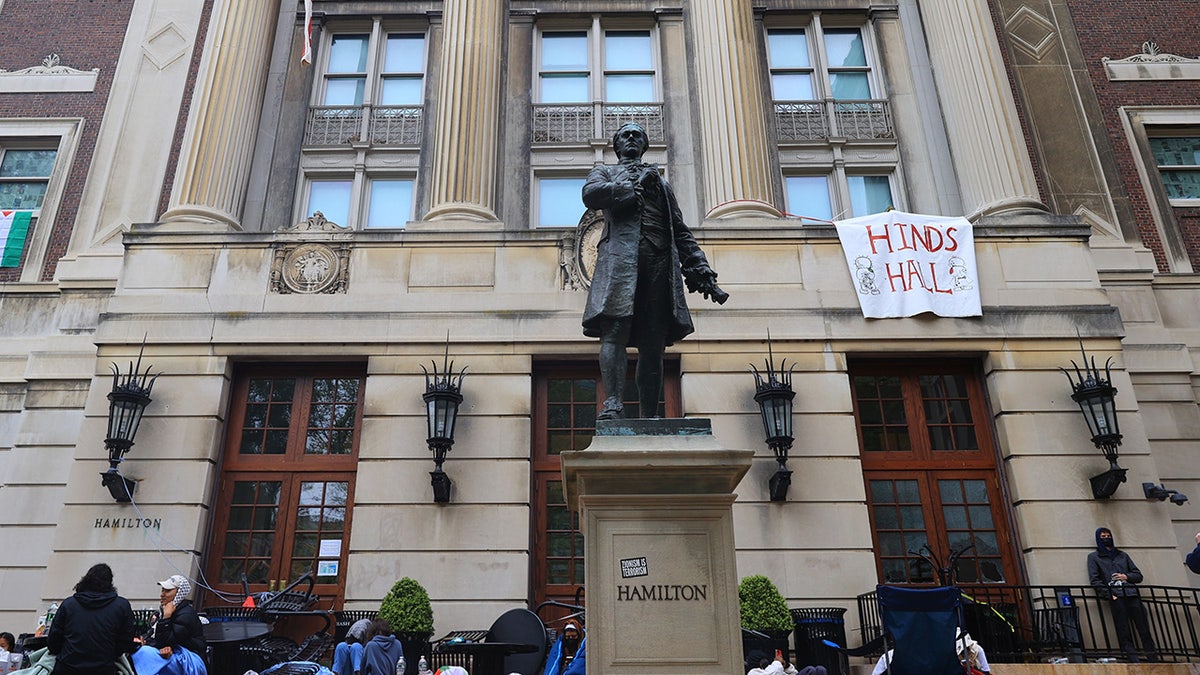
(763, 610)
(407, 610)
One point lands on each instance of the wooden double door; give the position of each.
(285, 500)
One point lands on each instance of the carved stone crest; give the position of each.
(311, 268)
(577, 251)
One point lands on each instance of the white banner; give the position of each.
(904, 264)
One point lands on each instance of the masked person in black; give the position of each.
(1114, 576)
(92, 628)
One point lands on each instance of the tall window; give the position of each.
(287, 483)
(930, 472)
(364, 127)
(593, 78)
(826, 95)
(1165, 144)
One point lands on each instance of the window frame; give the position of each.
(924, 464)
(821, 145)
(64, 134)
(358, 157)
(596, 29)
(1138, 122)
(536, 201)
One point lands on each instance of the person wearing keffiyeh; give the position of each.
(176, 645)
(347, 655)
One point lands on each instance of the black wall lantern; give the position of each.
(774, 394)
(443, 395)
(1097, 400)
(126, 402)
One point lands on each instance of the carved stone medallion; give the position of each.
(577, 251)
(310, 268)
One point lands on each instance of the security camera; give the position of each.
(1178, 498)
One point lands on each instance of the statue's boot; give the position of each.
(613, 409)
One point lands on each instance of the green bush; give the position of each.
(406, 608)
(762, 606)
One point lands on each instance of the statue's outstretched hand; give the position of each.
(703, 279)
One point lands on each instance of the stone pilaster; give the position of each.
(992, 163)
(214, 167)
(463, 184)
(736, 172)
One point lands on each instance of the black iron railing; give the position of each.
(1017, 624)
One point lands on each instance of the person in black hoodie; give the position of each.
(92, 628)
(1193, 558)
(179, 624)
(1114, 576)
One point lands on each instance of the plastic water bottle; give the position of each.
(422, 666)
(401, 666)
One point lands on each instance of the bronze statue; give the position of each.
(644, 259)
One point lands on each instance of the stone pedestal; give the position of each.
(656, 504)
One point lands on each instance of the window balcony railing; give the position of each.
(582, 122)
(1017, 624)
(380, 125)
(821, 120)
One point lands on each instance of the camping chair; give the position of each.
(919, 629)
(922, 623)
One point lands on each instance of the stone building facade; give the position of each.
(444, 143)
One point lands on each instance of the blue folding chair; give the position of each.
(922, 623)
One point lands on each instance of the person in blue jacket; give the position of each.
(1193, 559)
(382, 651)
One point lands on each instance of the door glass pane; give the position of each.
(250, 531)
(391, 203)
(788, 49)
(564, 543)
(844, 47)
(869, 194)
(560, 203)
(268, 417)
(320, 521)
(882, 419)
(899, 523)
(332, 198)
(627, 50)
(332, 416)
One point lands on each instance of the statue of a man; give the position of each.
(643, 259)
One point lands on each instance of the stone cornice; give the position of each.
(48, 77)
(1152, 64)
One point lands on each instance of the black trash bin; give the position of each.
(813, 626)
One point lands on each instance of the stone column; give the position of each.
(463, 184)
(736, 172)
(214, 168)
(994, 171)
